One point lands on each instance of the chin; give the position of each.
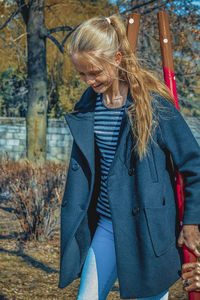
(97, 89)
(101, 89)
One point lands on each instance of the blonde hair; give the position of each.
(101, 40)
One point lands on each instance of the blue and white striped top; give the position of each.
(107, 122)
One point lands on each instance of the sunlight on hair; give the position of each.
(99, 41)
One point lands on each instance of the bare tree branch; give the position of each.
(188, 74)
(23, 8)
(20, 54)
(10, 18)
(54, 4)
(56, 42)
(151, 37)
(19, 37)
(138, 6)
(154, 8)
(61, 28)
(65, 39)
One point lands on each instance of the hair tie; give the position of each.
(108, 19)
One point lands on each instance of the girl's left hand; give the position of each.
(190, 237)
(191, 275)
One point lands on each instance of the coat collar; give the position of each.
(81, 124)
(88, 101)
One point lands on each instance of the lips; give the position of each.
(97, 86)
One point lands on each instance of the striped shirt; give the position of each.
(107, 122)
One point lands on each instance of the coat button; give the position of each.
(135, 211)
(130, 171)
(75, 166)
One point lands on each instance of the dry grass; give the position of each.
(29, 269)
(35, 193)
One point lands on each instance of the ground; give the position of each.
(30, 270)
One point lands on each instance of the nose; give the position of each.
(90, 80)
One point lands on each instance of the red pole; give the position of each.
(169, 77)
(133, 29)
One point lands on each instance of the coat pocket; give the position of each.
(161, 226)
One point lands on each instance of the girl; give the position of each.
(118, 216)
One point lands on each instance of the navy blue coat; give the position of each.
(141, 196)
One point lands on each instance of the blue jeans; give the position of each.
(100, 271)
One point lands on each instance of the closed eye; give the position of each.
(97, 73)
(91, 73)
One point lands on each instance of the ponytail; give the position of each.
(101, 39)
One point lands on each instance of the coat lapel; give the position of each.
(81, 125)
(124, 130)
(81, 128)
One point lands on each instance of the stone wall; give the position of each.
(13, 139)
(59, 140)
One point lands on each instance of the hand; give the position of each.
(190, 237)
(191, 273)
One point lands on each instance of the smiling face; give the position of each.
(99, 76)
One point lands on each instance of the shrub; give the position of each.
(35, 193)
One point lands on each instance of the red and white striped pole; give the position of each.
(169, 77)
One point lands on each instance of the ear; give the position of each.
(118, 58)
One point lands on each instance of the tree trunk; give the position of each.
(37, 78)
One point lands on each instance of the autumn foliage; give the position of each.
(64, 85)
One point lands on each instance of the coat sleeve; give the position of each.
(176, 136)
